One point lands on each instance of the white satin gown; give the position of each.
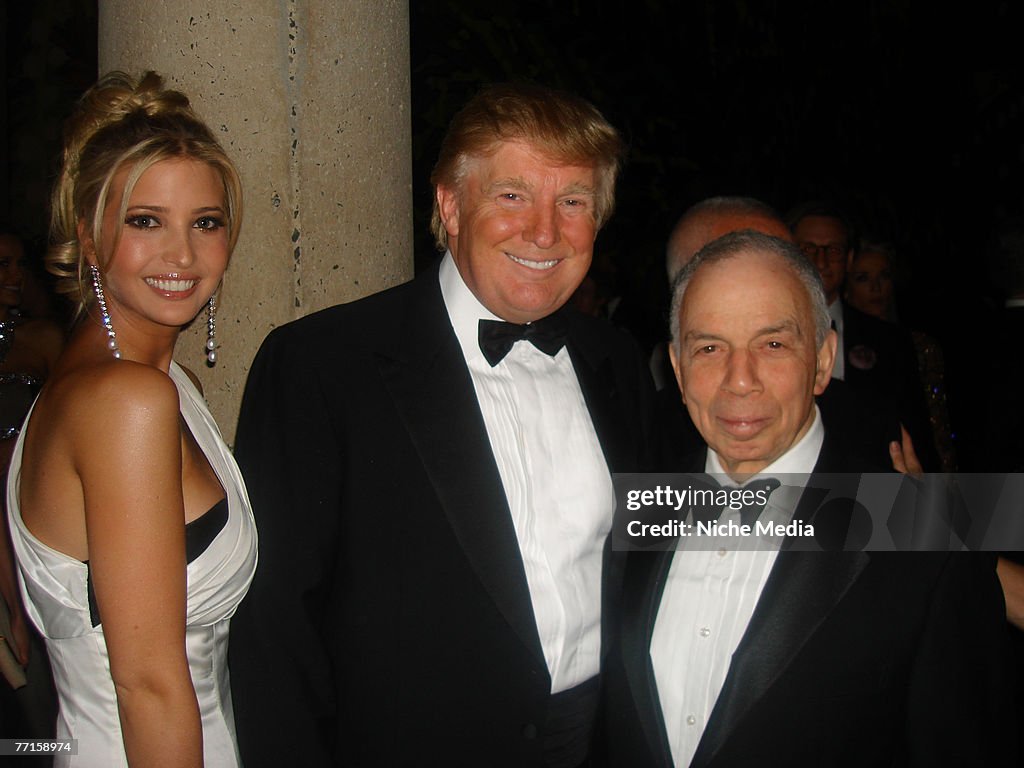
(56, 592)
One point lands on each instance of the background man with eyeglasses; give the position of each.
(876, 359)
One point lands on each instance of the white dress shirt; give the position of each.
(709, 597)
(556, 481)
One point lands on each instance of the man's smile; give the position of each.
(539, 265)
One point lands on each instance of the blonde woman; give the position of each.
(129, 519)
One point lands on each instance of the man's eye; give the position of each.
(510, 196)
(707, 349)
(209, 223)
(142, 222)
(776, 345)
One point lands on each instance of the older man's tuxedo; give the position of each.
(390, 621)
(850, 659)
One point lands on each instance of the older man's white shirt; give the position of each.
(709, 598)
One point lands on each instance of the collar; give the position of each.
(835, 311)
(464, 309)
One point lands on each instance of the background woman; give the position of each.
(29, 346)
(128, 516)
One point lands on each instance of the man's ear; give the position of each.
(826, 359)
(448, 206)
(86, 243)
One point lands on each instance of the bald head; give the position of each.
(710, 219)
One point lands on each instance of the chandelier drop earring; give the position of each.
(211, 331)
(101, 302)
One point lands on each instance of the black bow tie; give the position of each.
(749, 513)
(497, 337)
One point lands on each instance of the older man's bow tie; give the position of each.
(497, 337)
(749, 512)
(753, 510)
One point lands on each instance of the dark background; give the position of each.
(873, 104)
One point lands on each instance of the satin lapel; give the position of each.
(646, 573)
(427, 377)
(801, 592)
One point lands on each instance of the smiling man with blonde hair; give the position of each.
(431, 468)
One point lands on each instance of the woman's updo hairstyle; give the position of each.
(122, 123)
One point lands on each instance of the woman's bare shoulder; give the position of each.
(108, 432)
(114, 396)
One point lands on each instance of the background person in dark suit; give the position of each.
(779, 657)
(875, 359)
(434, 515)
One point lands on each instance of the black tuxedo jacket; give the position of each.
(850, 659)
(1000, 399)
(390, 620)
(880, 365)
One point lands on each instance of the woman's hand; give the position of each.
(904, 457)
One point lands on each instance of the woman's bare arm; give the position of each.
(127, 449)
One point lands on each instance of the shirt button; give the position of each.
(705, 631)
(723, 552)
(691, 720)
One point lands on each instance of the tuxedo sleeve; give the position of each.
(281, 672)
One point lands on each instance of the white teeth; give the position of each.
(173, 286)
(533, 264)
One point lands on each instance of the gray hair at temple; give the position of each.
(748, 241)
(692, 230)
(561, 126)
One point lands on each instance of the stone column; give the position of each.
(311, 99)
